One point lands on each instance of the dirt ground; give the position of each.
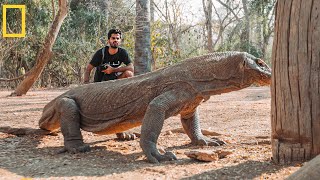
(242, 118)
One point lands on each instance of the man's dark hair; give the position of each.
(114, 31)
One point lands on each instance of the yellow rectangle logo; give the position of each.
(23, 20)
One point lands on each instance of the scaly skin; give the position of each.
(147, 100)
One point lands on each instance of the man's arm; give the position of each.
(128, 67)
(87, 74)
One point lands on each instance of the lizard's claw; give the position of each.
(126, 136)
(157, 157)
(74, 147)
(153, 155)
(205, 141)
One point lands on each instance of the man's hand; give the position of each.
(109, 70)
(87, 74)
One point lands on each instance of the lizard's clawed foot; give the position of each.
(157, 157)
(75, 147)
(126, 136)
(153, 155)
(205, 141)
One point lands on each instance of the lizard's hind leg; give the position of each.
(70, 126)
(191, 125)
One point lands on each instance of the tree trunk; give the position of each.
(142, 59)
(207, 8)
(44, 53)
(106, 13)
(152, 10)
(168, 21)
(295, 92)
(245, 35)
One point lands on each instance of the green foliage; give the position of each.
(252, 49)
(159, 45)
(75, 45)
(261, 14)
(86, 23)
(18, 54)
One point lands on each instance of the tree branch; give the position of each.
(228, 7)
(13, 79)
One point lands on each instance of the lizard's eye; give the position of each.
(260, 63)
(264, 66)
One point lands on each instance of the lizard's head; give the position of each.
(256, 70)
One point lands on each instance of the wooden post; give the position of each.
(295, 92)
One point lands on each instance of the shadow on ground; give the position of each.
(243, 170)
(23, 155)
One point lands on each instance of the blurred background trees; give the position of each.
(179, 29)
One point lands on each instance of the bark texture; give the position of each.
(142, 57)
(295, 99)
(44, 53)
(207, 8)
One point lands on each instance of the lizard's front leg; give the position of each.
(191, 125)
(70, 126)
(160, 108)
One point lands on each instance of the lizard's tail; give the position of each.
(50, 119)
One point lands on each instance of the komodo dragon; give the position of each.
(147, 100)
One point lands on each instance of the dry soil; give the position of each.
(242, 118)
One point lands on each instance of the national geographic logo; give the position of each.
(23, 20)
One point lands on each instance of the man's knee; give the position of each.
(127, 74)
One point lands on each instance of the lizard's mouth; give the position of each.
(265, 80)
(264, 83)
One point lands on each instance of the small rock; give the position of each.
(206, 156)
(210, 133)
(223, 154)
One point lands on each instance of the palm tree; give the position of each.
(142, 57)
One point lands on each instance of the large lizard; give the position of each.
(147, 100)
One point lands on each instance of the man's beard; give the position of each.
(114, 47)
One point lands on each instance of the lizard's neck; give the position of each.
(220, 86)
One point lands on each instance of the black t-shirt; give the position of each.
(114, 60)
